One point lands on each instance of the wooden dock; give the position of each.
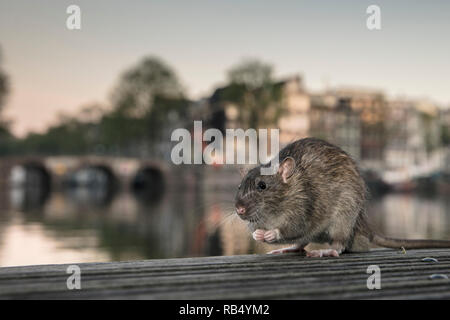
(286, 276)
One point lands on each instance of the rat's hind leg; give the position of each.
(361, 243)
(323, 253)
(324, 250)
(294, 248)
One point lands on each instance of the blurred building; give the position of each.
(295, 123)
(333, 119)
(382, 134)
(352, 119)
(222, 114)
(444, 119)
(413, 133)
(371, 108)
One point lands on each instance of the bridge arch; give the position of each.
(30, 184)
(30, 174)
(149, 183)
(91, 174)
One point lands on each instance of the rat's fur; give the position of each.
(322, 200)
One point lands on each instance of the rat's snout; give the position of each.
(244, 209)
(240, 209)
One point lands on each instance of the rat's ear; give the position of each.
(286, 168)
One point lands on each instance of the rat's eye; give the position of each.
(261, 185)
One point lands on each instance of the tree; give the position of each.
(146, 99)
(6, 138)
(251, 73)
(4, 86)
(146, 103)
(253, 89)
(138, 86)
(69, 136)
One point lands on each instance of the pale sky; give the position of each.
(53, 69)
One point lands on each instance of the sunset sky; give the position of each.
(53, 69)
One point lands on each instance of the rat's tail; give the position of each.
(409, 244)
(365, 228)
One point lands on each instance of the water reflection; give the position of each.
(412, 216)
(148, 185)
(89, 197)
(25, 199)
(86, 224)
(29, 186)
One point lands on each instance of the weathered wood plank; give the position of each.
(248, 277)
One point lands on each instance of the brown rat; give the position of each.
(317, 196)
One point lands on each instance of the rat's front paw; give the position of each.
(272, 235)
(258, 235)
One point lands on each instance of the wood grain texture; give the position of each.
(285, 276)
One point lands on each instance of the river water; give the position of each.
(87, 226)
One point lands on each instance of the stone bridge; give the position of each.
(55, 171)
